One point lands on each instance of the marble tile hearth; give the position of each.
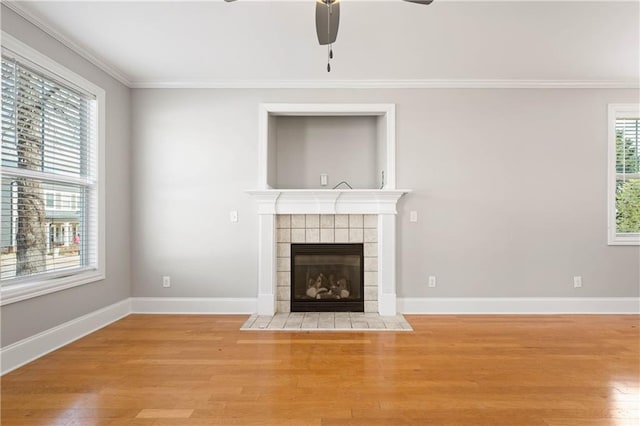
(326, 321)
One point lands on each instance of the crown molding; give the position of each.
(388, 84)
(67, 42)
(111, 70)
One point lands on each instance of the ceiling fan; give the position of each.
(328, 19)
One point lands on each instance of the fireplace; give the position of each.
(327, 278)
(288, 212)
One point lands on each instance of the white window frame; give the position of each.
(37, 285)
(615, 238)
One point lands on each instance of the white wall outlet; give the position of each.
(324, 179)
(577, 281)
(166, 281)
(432, 281)
(233, 215)
(413, 216)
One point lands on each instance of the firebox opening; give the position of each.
(327, 278)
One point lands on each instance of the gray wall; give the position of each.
(24, 319)
(510, 187)
(345, 148)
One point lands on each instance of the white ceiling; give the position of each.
(191, 43)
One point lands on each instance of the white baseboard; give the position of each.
(193, 305)
(519, 305)
(31, 348)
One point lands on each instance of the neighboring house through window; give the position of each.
(52, 189)
(624, 174)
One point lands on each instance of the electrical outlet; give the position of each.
(324, 179)
(233, 215)
(413, 216)
(577, 281)
(432, 281)
(166, 281)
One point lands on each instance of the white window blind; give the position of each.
(627, 148)
(49, 175)
(624, 169)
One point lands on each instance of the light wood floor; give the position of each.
(452, 370)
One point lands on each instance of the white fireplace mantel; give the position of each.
(327, 201)
(272, 202)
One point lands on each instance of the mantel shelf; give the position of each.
(327, 201)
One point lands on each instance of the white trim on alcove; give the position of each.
(386, 111)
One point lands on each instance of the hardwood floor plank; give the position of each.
(592, 422)
(154, 413)
(303, 341)
(197, 370)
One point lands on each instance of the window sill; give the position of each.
(624, 240)
(12, 293)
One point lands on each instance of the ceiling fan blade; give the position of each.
(424, 2)
(327, 21)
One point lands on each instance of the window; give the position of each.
(52, 132)
(624, 174)
(49, 200)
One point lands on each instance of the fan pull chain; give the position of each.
(329, 48)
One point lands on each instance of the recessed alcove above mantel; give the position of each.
(354, 143)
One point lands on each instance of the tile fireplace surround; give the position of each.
(317, 216)
(326, 228)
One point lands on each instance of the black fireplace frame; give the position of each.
(351, 305)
